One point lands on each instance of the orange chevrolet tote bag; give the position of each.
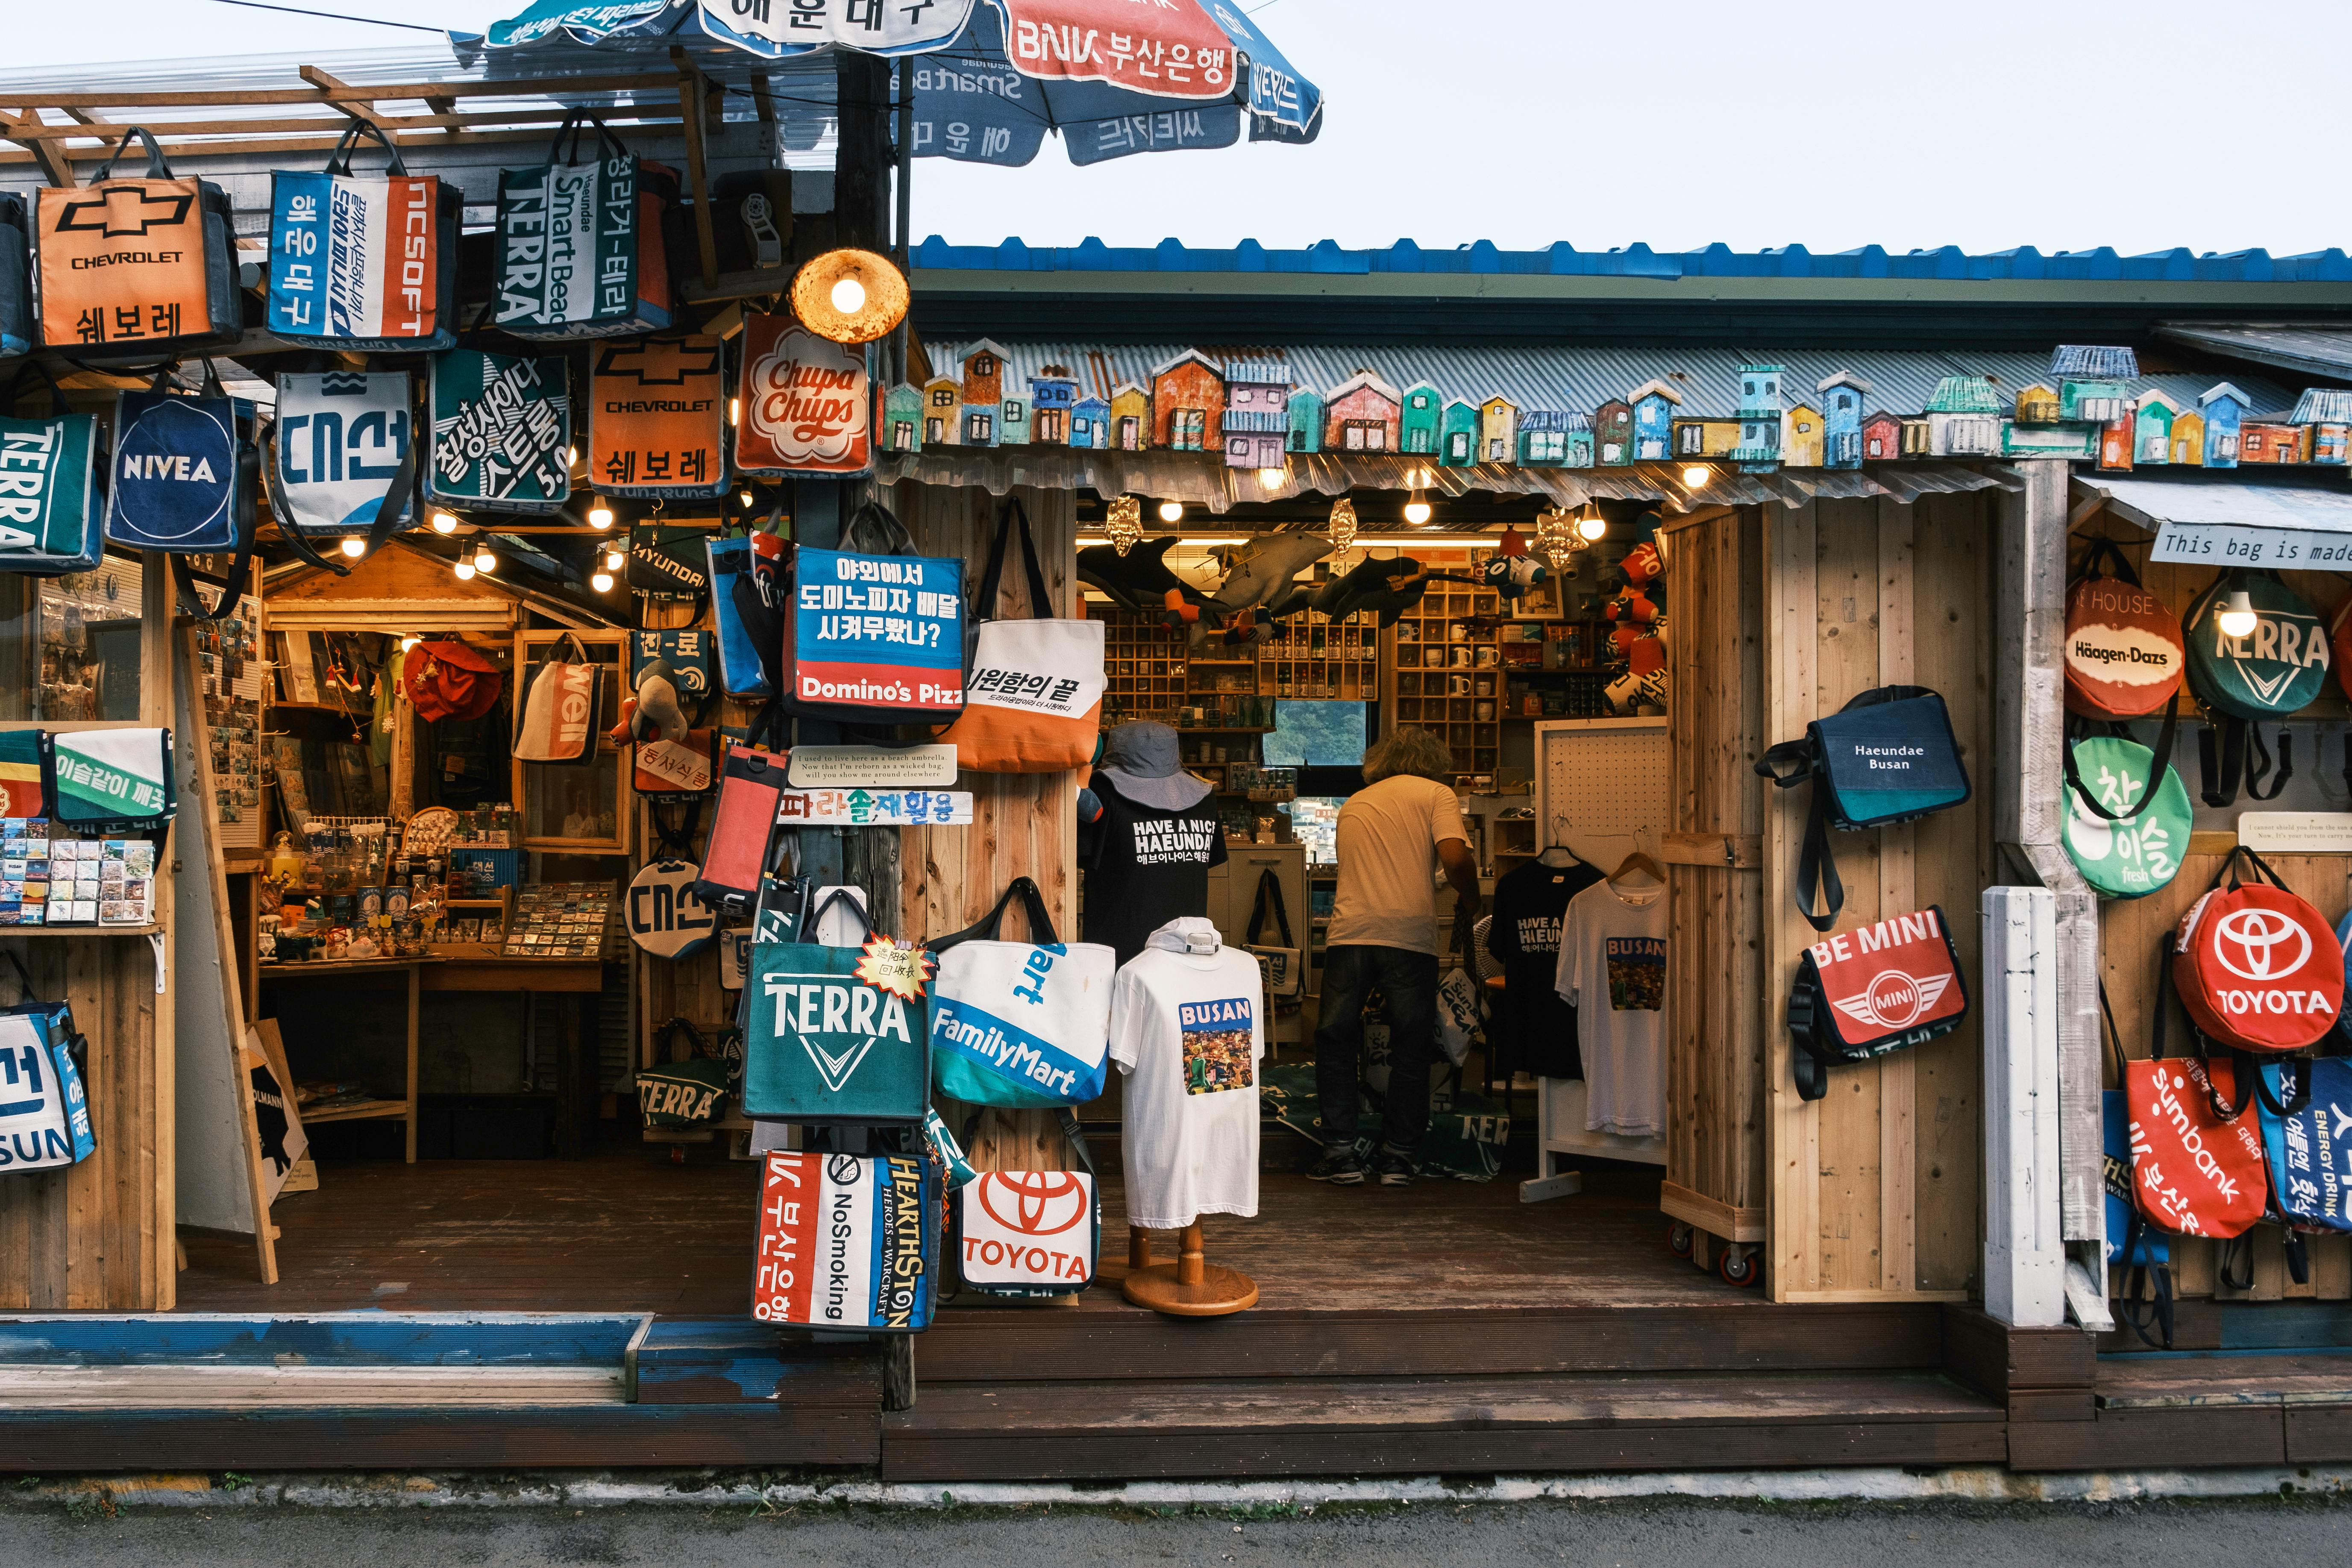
(1033, 703)
(137, 265)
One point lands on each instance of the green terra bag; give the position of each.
(2276, 670)
(2129, 857)
(835, 1035)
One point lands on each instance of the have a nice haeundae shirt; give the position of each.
(1145, 867)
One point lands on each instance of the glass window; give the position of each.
(69, 645)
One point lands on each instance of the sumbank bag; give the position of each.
(2123, 654)
(361, 262)
(874, 639)
(144, 267)
(1887, 756)
(1021, 1023)
(580, 248)
(2257, 967)
(2197, 1161)
(848, 1242)
(837, 1035)
(1028, 1235)
(1864, 993)
(557, 719)
(51, 514)
(1034, 701)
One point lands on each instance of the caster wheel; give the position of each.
(1678, 1240)
(1739, 1269)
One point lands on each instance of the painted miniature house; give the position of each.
(1801, 436)
(984, 393)
(2114, 453)
(1555, 438)
(1760, 409)
(942, 411)
(2091, 380)
(2152, 428)
(2271, 440)
(1964, 418)
(1843, 396)
(1188, 403)
(1305, 421)
(1090, 424)
(1457, 435)
(1424, 415)
(1612, 433)
(2075, 443)
(1653, 404)
(1362, 414)
(2037, 405)
(1701, 435)
(2189, 438)
(2327, 413)
(1918, 435)
(2224, 408)
(902, 419)
(1130, 418)
(1257, 425)
(1013, 420)
(1498, 431)
(1882, 438)
(1052, 391)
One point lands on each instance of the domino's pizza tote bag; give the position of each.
(2123, 657)
(1034, 701)
(2256, 965)
(837, 1035)
(580, 251)
(144, 266)
(1021, 1024)
(874, 638)
(363, 261)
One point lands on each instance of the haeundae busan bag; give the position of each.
(874, 638)
(138, 266)
(1034, 701)
(2197, 1163)
(2123, 655)
(363, 261)
(1864, 993)
(1021, 1024)
(2257, 966)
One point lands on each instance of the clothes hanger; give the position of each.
(1638, 860)
(1558, 846)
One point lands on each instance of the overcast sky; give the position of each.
(2062, 124)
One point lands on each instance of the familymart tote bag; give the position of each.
(1021, 1024)
(874, 636)
(578, 252)
(50, 514)
(837, 1034)
(501, 432)
(344, 461)
(137, 265)
(361, 262)
(1034, 701)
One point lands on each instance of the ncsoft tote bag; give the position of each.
(361, 262)
(1021, 1024)
(580, 251)
(1033, 703)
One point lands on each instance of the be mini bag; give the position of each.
(1887, 756)
(837, 1035)
(874, 638)
(144, 266)
(361, 262)
(580, 251)
(1864, 993)
(1021, 1024)
(847, 1242)
(1034, 701)
(1028, 1235)
(50, 514)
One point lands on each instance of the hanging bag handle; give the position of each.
(881, 517)
(338, 162)
(157, 167)
(674, 844)
(985, 928)
(2156, 1313)
(1269, 891)
(816, 917)
(2258, 766)
(2159, 760)
(573, 123)
(1040, 605)
(244, 495)
(2106, 552)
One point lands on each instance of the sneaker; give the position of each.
(1339, 1167)
(1395, 1169)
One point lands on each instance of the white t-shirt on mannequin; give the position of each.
(1186, 1028)
(1612, 970)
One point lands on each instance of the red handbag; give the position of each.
(2197, 1161)
(447, 680)
(2257, 966)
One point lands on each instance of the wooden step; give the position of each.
(1262, 1428)
(2188, 1382)
(248, 1387)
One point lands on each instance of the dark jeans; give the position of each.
(1409, 981)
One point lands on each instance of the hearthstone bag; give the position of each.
(2304, 1110)
(16, 277)
(847, 1242)
(1887, 756)
(361, 262)
(2126, 839)
(658, 418)
(2257, 966)
(1278, 965)
(1028, 1235)
(557, 719)
(1864, 993)
(2123, 654)
(1034, 703)
(501, 432)
(835, 1035)
(578, 252)
(50, 514)
(1021, 1024)
(138, 266)
(870, 638)
(346, 461)
(110, 776)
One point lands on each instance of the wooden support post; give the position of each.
(862, 93)
(2025, 1261)
(689, 110)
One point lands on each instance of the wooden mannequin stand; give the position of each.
(1191, 1287)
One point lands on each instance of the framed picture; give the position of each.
(1543, 601)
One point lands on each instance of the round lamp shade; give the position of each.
(849, 296)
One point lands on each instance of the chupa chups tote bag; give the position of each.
(580, 252)
(51, 514)
(2126, 838)
(1025, 1234)
(344, 461)
(1862, 993)
(2305, 1109)
(558, 720)
(658, 418)
(837, 1035)
(137, 266)
(501, 432)
(361, 262)
(847, 1242)
(808, 403)
(1021, 1024)
(874, 638)
(2256, 965)
(2123, 651)
(1033, 703)
(2273, 671)
(1887, 756)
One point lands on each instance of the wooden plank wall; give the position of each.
(1875, 1188)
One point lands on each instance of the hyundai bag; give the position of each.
(2304, 1110)
(110, 776)
(2123, 652)
(44, 1111)
(361, 262)
(670, 561)
(1021, 1024)
(837, 1034)
(1279, 966)
(874, 638)
(2126, 839)
(138, 266)
(580, 252)
(1028, 1235)
(501, 432)
(16, 277)
(1864, 993)
(1033, 702)
(1887, 756)
(658, 418)
(50, 514)
(2257, 967)
(346, 461)
(557, 723)
(847, 1242)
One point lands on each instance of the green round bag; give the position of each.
(2130, 856)
(2275, 671)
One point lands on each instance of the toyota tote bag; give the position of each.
(658, 418)
(2123, 651)
(847, 1242)
(874, 638)
(361, 262)
(2134, 846)
(837, 1034)
(1028, 1235)
(2305, 1109)
(1862, 993)
(50, 514)
(580, 252)
(1021, 1024)
(144, 266)
(2257, 967)
(44, 1111)
(558, 720)
(501, 432)
(1034, 701)
(345, 463)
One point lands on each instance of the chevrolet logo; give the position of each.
(656, 361)
(122, 212)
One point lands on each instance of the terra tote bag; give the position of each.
(1034, 701)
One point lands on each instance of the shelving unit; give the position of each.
(1449, 683)
(1144, 664)
(1310, 658)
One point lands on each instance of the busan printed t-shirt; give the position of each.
(1387, 841)
(1612, 970)
(1185, 1029)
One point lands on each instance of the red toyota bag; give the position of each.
(2196, 1159)
(2123, 653)
(2257, 966)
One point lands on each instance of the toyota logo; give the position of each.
(2258, 937)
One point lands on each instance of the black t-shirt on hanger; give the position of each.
(1538, 1030)
(1145, 867)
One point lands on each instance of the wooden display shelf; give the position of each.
(149, 928)
(365, 1111)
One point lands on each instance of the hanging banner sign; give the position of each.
(780, 28)
(871, 767)
(846, 1242)
(874, 809)
(1167, 51)
(502, 432)
(657, 417)
(807, 403)
(2296, 832)
(2294, 549)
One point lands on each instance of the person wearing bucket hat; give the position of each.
(1148, 850)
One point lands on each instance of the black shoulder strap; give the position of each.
(1269, 893)
(2258, 767)
(680, 839)
(1033, 902)
(1817, 864)
(2221, 761)
(2159, 760)
(1039, 608)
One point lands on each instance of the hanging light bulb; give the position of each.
(571, 455)
(1343, 525)
(444, 523)
(848, 295)
(1271, 478)
(602, 582)
(734, 411)
(355, 547)
(409, 642)
(612, 558)
(600, 516)
(1591, 525)
(2238, 618)
(484, 562)
(465, 570)
(1416, 509)
(745, 496)
(1171, 512)
(1695, 478)
(1123, 523)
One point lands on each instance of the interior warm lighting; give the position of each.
(409, 642)
(2237, 618)
(1123, 523)
(444, 523)
(745, 496)
(465, 570)
(600, 516)
(602, 582)
(571, 456)
(355, 547)
(1271, 479)
(1695, 476)
(1591, 525)
(611, 558)
(485, 562)
(849, 296)
(1416, 510)
(734, 411)
(1171, 512)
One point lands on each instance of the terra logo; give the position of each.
(2251, 943)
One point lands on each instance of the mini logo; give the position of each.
(124, 211)
(2256, 936)
(1034, 1203)
(1894, 999)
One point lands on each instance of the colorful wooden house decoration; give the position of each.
(1052, 391)
(1013, 420)
(1188, 403)
(983, 394)
(1305, 421)
(943, 412)
(2091, 381)
(1964, 418)
(2327, 413)
(1653, 404)
(2189, 439)
(1882, 438)
(2152, 428)
(1760, 408)
(1423, 418)
(1457, 435)
(1802, 444)
(1555, 438)
(1257, 425)
(2115, 456)
(902, 419)
(2271, 440)
(1362, 414)
(1705, 436)
(1612, 433)
(2224, 408)
(1843, 396)
(1130, 418)
(1498, 431)
(1918, 435)
(2037, 404)
(1090, 424)
(2075, 443)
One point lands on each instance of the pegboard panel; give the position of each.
(1599, 784)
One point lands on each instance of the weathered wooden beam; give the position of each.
(354, 101)
(182, 99)
(179, 131)
(689, 110)
(56, 166)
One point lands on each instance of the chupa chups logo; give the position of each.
(1894, 999)
(124, 211)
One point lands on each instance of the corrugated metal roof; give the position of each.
(2307, 351)
(2213, 502)
(1581, 379)
(2086, 361)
